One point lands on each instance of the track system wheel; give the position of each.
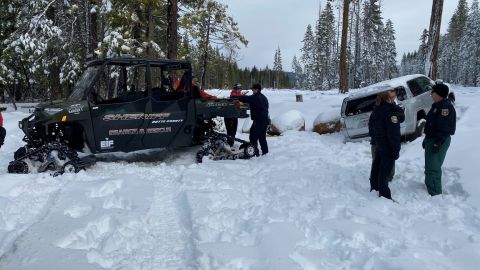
(70, 167)
(20, 167)
(249, 150)
(22, 151)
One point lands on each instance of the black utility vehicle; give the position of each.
(123, 105)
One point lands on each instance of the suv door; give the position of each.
(357, 113)
(167, 125)
(118, 103)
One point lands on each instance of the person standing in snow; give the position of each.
(232, 123)
(386, 134)
(401, 118)
(3, 132)
(441, 124)
(259, 115)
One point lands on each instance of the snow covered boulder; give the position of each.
(327, 122)
(291, 120)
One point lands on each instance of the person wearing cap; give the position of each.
(440, 125)
(385, 129)
(3, 132)
(231, 124)
(259, 115)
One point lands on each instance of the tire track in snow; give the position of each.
(169, 243)
(42, 214)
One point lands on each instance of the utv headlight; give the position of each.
(52, 111)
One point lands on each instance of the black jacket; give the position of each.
(441, 121)
(398, 111)
(258, 106)
(386, 128)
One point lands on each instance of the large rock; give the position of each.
(327, 122)
(291, 120)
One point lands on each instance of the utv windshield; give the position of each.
(83, 83)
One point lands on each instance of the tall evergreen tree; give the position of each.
(308, 58)
(450, 51)
(390, 52)
(277, 62)
(371, 64)
(326, 61)
(298, 72)
(469, 53)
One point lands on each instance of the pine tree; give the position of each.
(371, 64)
(308, 59)
(422, 53)
(298, 71)
(469, 53)
(277, 62)
(326, 61)
(210, 23)
(450, 53)
(390, 52)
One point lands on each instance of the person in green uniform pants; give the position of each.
(441, 124)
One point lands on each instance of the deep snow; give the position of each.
(306, 205)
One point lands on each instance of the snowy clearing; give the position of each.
(306, 205)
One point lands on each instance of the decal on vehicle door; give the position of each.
(106, 144)
(75, 108)
(167, 121)
(135, 116)
(141, 131)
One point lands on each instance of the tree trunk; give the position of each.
(343, 49)
(434, 38)
(356, 82)
(93, 28)
(149, 32)
(12, 96)
(53, 68)
(205, 54)
(172, 29)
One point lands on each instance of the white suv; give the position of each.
(413, 94)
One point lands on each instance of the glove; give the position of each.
(423, 144)
(436, 148)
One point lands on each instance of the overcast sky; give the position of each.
(271, 23)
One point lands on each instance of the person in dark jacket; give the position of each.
(401, 118)
(441, 124)
(259, 114)
(231, 124)
(3, 132)
(386, 133)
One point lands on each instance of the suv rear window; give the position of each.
(361, 105)
(419, 86)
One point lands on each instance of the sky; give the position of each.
(268, 24)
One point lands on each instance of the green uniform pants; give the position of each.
(433, 166)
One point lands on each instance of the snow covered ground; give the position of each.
(306, 205)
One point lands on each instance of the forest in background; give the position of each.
(370, 48)
(46, 43)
